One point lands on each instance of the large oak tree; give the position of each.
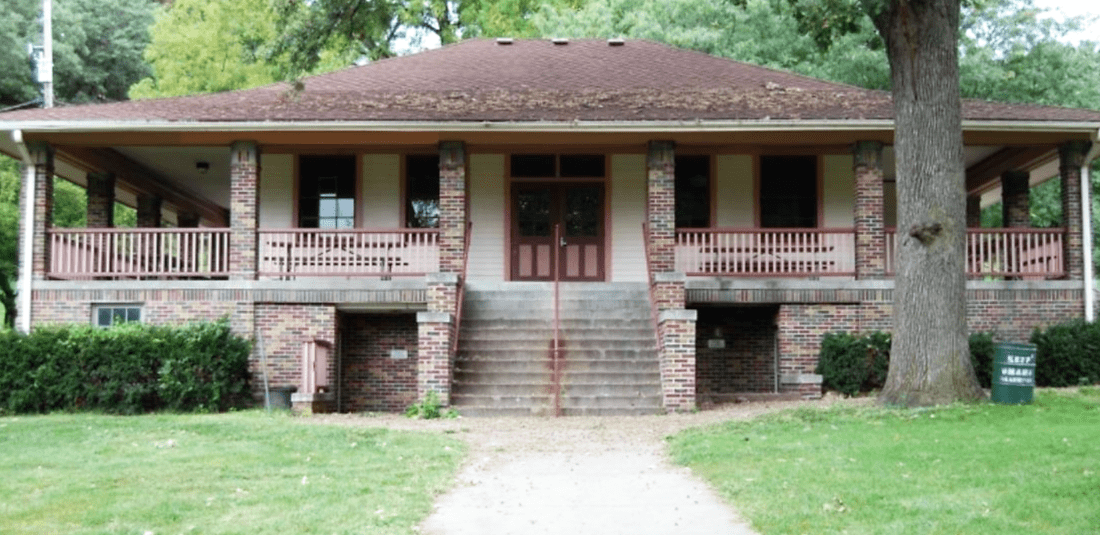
(929, 358)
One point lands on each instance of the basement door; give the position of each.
(578, 210)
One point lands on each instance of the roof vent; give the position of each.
(504, 40)
(560, 41)
(616, 41)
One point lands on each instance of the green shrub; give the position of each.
(127, 369)
(1067, 354)
(982, 348)
(859, 363)
(845, 362)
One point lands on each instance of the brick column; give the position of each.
(435, 361)
(870, 211)
(101, 200)
(42, 176)
(974, 211)
(661, 204)
(148, 211)
(1015, 209)
(1072, 158)
(676, 329)
(244, 180)
(452, 205)
(676, 332)
(187, 220)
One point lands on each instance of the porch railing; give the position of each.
(766, 252)
(288, 253)
(1004, 252)
(88, 253)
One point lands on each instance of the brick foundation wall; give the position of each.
(371, 379)
(747, 362)
(284, 328)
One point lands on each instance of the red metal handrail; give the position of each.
(85, 253)
(653, 311)
(555, 344)
(461, 290)
(288, 253)
(1004, 252)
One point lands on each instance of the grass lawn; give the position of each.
(972, 469)
(247, 472)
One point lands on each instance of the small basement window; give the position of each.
(108, 315)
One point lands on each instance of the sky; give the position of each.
(1076, 8)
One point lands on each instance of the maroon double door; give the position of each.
(577, 209)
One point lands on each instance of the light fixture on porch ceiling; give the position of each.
(202, 167)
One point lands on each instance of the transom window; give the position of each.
(558, 166)
(422, 191)
(692, 191)
(326, 192)
(108, 315)
(788, 191)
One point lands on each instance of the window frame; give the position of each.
(300, 175)
(127, 307)
(406, 189)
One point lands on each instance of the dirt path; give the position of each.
(577, 475)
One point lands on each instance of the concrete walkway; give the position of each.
(581, 476)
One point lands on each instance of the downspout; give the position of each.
(1086, 227)
(26, 241)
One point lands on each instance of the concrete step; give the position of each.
(610, 402)
(461, 399)
(474, 411)
(494, 366)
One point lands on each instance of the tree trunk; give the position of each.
(930, 357)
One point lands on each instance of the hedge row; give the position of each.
(128, 369)
(1066, 355)
(851, 363)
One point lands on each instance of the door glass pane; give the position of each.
(583, 212)
(533, 213)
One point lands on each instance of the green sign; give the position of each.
(1013, 373)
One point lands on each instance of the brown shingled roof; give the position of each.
(584, 80)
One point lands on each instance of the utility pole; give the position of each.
(45, 67)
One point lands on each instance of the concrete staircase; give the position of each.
(609, 359)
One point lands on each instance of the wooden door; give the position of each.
(577, 211)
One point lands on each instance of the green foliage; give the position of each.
(202, 46)
(1067, 354)
(9, 236)
(70, 204)
(130, 368)
(982, 349)
(851, 363)
(429, 408)
(97, 48)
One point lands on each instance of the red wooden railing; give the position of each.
(1004, 252)
(766, 252)
(288, 253)
(146, 252)
(556, 363)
